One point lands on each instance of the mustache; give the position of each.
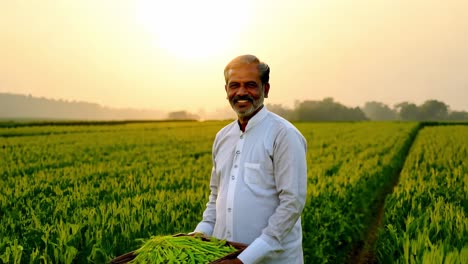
(243, 97)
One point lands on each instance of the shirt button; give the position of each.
(233, 177)
(238, 152)
(229, 210)
(235, 166)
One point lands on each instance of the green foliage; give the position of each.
(83, 194)
(350, 166)
(86, 194)
(425, 217)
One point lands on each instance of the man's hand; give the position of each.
(200, 235)
(231, 261)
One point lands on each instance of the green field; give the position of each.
(426, 216)
(86, 193)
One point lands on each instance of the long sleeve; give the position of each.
(290, 173)
(206, 226)
(291, 181)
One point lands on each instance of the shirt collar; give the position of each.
(257, 118)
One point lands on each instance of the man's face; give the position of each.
(244, 89)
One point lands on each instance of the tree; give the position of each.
(433, 110)
(458, 116)
(182, 115)
(378, 111)
(327, 110)
(408, 111)
(280, 110)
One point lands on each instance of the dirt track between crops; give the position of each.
(363, 252)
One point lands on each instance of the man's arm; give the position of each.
(290, 172)
(206, 226)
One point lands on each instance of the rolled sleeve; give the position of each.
(204, 228)
(256, 251)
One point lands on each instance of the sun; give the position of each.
(194, 29)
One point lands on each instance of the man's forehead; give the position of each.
(251, 70)
(244, 65)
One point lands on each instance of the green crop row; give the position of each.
(77, 194)
(350, 167)
(88, 193)
(426, 216)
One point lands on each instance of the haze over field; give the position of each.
(169, 55)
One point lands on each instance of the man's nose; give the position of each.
(241, 90)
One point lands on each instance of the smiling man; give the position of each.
(259, 176)
(245, 88)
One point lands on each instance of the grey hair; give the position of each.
(263, 68)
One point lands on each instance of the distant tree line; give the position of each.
(14, 106)
(330, 110)
(182, 115)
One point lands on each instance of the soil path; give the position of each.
(363, 252)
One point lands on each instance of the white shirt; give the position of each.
(258, 189)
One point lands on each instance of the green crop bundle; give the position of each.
(181, 249)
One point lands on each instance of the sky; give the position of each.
(170, 55)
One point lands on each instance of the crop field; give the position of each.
(426, 216)
(86, 193)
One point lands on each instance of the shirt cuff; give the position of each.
(255, 251)
(204, 228)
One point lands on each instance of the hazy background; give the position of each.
(170, 55)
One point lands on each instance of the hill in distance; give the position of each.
(27, 107)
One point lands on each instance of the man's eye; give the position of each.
(251, 85)
(233, 85)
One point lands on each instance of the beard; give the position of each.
(254, 105)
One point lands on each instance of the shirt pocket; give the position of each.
(255, 176)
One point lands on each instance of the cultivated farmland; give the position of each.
(87, 193)
(426, 216)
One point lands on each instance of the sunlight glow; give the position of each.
(194, 29)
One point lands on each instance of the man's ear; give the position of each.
(266, 89)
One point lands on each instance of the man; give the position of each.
(258, 181)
